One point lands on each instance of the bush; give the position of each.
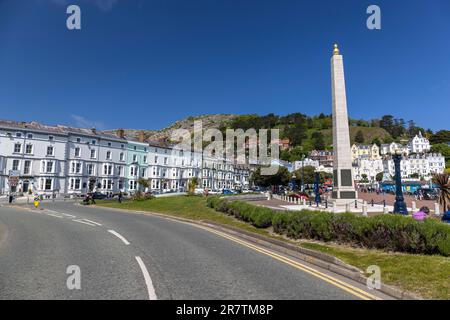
(387, 232)
(140, 196)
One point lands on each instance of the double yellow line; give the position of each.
(325, 277)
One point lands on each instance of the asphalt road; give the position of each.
(133, 256)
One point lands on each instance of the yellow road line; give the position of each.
(325, 277)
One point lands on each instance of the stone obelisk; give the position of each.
(343, 185)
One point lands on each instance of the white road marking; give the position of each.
(96, 223)
(119, 236)
(68, 215)
(148, 280)
(81, 221)
(54, 215)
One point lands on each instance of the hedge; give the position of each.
(387, 232)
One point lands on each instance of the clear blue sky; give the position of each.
(145, 64)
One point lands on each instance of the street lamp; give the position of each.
(316, 188)
(399, 205)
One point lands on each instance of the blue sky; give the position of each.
(146, 64)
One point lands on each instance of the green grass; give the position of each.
(427, 276)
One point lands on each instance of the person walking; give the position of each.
(120, 197)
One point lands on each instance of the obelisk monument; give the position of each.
(343, 185)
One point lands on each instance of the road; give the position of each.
(134, 256)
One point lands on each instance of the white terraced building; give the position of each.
(424, 165)
(56, 160)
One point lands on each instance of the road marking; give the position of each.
(81, 221)
(332, 280)
(96, 223)
(68, 215)
(148, 280)
(54, 215)
(119, 236)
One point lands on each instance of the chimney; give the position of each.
(141, 136)
(120, 133)
(94, 131)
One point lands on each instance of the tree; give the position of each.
(379, 176)
(192, 185)
(364, 178)
(318, 140)
(442, 136)
(376, 141)
(143, 183)
(282, 177)
(359, 138)
(443, 183)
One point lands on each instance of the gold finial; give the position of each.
(336, 49)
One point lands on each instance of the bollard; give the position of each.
(413, 207)
(310, 202)
(356, 204)
(326, 204)
(372, 202)
(437, 209)
(385, 210)
(364, 209)
(384, 203)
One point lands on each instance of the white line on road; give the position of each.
(81, 221)
(68, 215)
(148, 280)
(119, 236)
(96, 223)
(54, 215)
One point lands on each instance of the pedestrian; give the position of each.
(120, 197)
(91, 196)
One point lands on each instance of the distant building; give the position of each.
(371, 152)
(325, 157)
(368, 167)
(419, 144)
(423, 165)
(307, 162)
(390, 148)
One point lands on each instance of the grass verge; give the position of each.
(424, 275)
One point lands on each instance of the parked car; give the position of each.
(98, 195)
(228, 192)
(199, 191)
(429, 194)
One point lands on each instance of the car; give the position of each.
(228, 192)
(429, 194)
(199, 191)
(98, 195)
(246, 191)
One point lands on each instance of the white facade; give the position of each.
(367, 167)
(419, 144)
(52, 161)
(307, 162)
(391, 148)
(424, 165)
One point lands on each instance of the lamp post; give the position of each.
(316, 188)
(399, 205)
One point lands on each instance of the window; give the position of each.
(121, 156)
(92, 153)
(108, 155)
(156, 159)
(27, 167)
(17, 147)
(132, 171)
(29, 149)
(78, 140)
(134, 158)
(77, 184)
(107, 169)
(48, 184)
(77, 152)
(119, 171)
(50, 138)
(15, 165)
(109, 144)
(134, 147)
(90, 169)
(145, 159)
(165, 160)
(29, 136)
(50, 150)
(18, 135)
(93, 142)
(49, 167)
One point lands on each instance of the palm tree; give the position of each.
(443, 183)
(192, 185)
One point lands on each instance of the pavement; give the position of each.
(122, 255)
